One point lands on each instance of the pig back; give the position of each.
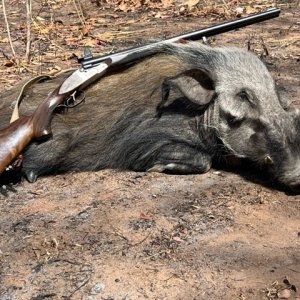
(136, 86)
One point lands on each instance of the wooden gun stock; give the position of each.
(13, 139)
(16, 136)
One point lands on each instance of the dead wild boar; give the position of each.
(174, 112)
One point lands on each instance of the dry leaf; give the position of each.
(166, 3)
(284, 294)
(90, 42)
(40, 19)
(8, 63)
(86, 28)
(4, 40)
(191, 3)
(54, 70)
(123, 7)
(44, 30)
(144, 216)
(178, 239)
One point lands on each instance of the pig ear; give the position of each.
(195, 85)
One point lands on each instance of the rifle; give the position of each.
(16, 136)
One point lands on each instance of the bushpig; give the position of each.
(173, 112)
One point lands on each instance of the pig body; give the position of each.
(174, 112)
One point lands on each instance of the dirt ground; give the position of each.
(110, 235)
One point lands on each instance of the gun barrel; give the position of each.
(135, 53)
(232, 25)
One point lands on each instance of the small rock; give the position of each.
(217, 173)
(97, 288)
(284, 294)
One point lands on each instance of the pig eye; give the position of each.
(244, 96)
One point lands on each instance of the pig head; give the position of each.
(174, 112)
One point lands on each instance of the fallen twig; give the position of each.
(28, 24)
(79, 13)
(78, 288)
(131, 245)
(8, 30)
